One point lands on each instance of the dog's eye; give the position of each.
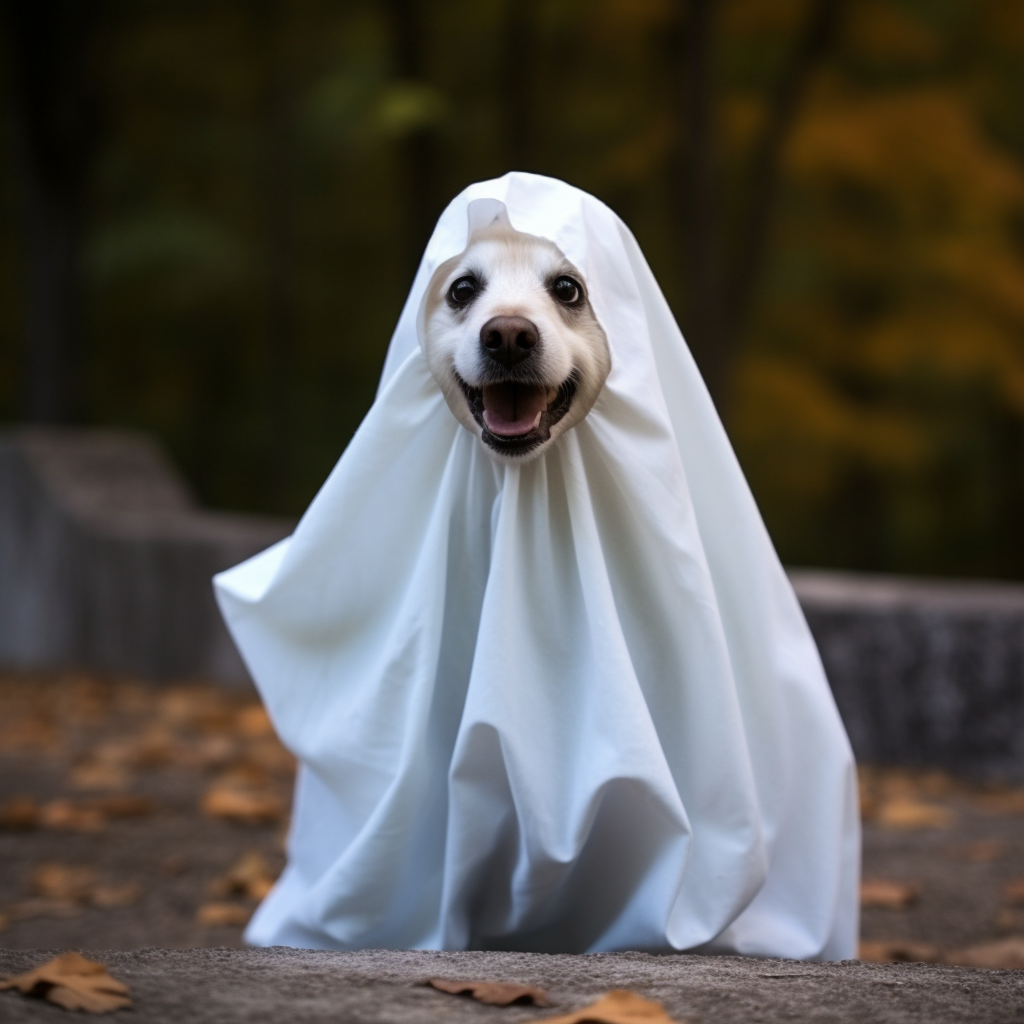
(463, 290)
(567, 290)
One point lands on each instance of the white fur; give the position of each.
(516, 270)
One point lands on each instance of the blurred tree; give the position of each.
(50, 44)
(727, 241)
(831, 191)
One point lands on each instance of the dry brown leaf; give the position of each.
(982, 851)
(97, 774)
(210, 752)
(121, 806)
(73, 983)
(19, 814)
(1007, 801)
(900, 951)
(63, 881)
(43, 906)
(108, 897)
(31, 733)
(495, 993)
(616, 1007)
(249, 876)
(253, 722)
(1013, 892)
(223, 915)
(71, 817)
(907, 813)
(887, 895)
(1008, 921)
(61, 886)
(249, 806)
(1004, 954)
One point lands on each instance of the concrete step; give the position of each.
(250, 986)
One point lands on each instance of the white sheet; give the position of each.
(565, 706)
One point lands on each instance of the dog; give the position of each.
(513, 342)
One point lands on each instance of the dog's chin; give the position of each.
(516, 419)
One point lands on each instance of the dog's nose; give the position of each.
(508, 339)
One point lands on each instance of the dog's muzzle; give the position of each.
(515, 416)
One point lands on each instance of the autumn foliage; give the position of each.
(830, 191)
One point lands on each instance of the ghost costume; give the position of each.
(566, 705)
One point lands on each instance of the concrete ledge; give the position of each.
(105, 560)
(927, 673)
(373, 987)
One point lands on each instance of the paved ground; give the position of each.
(253, 986)
(133, 817)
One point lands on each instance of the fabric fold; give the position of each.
(564, 705)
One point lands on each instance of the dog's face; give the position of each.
(511, 338)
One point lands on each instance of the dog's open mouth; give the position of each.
(516, 417)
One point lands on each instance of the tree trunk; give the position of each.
(725, 251)
(519, 53)
(277, 187)
(417, 158)
(750, 238)
(55, 129)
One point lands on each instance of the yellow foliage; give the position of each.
(912, 143)
(881, 30)
(806, 434)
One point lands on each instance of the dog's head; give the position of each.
(511, 338)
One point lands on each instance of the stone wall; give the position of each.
(105, 563)
(105, 560)
(924, 672)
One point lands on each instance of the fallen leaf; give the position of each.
(99, 774)
(64, 885)
(906, 813)
(496, 993)
(1004, 954)
(249, 876)
(617, 1007)
(1013, 892)
(223, 915)
(249, 806)
(120, 805)
(63, 814)
(868, 805)
(63, 881)
(887, 895)
(900, 951)
(254, 722)
(1008, 801)
(1008, 921)
(983, 851)
(19, 814)
(107, 897)
(28, 734)
(211, 752)
(73, 983)
(43, 906)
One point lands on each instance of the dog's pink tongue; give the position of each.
(511, 410)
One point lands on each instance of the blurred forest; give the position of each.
(212, 210)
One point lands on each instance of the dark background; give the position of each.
(211, 210)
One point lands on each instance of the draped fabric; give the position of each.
(566, 705)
